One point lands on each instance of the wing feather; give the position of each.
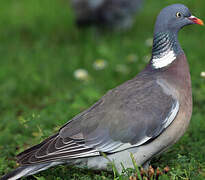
(126, 117)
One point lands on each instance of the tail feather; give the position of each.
(24, 171)
(55, 148)
(34, 148)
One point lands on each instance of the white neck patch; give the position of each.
(164, 60)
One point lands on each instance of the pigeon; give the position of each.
(143, 117)
(115, 14)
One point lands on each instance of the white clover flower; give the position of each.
(121, 68)
(99, 64)
(148, 42)
(81, 74)
(132, 58)
(202, 74)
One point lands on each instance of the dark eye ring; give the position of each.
(178, 15)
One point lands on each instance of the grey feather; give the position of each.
(127, 116)
(150, 113)
(139, 109)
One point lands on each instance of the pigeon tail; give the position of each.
(27, 170)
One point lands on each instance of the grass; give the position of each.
(41, 48)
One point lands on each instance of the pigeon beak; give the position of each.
(196, 20)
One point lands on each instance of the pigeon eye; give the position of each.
(178, 15)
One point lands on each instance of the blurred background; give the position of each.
(51, 69)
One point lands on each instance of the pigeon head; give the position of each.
(165, 44)
(174, 17)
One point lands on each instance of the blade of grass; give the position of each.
(136, 166)
(115, 171)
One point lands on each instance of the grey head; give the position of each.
(174, 17)
(165, 45)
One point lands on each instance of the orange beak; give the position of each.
(196, 20)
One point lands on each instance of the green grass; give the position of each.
(40, 49)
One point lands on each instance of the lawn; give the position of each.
(41, 50)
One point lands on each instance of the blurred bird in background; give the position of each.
(115, 14)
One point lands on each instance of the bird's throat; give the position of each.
(165, 49)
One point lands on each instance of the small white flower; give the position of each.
(132, 58)
(149, 42)
(203, 74)
(99, 64)
(121, 68)
(81, 74)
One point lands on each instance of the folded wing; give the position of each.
(127, 116)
